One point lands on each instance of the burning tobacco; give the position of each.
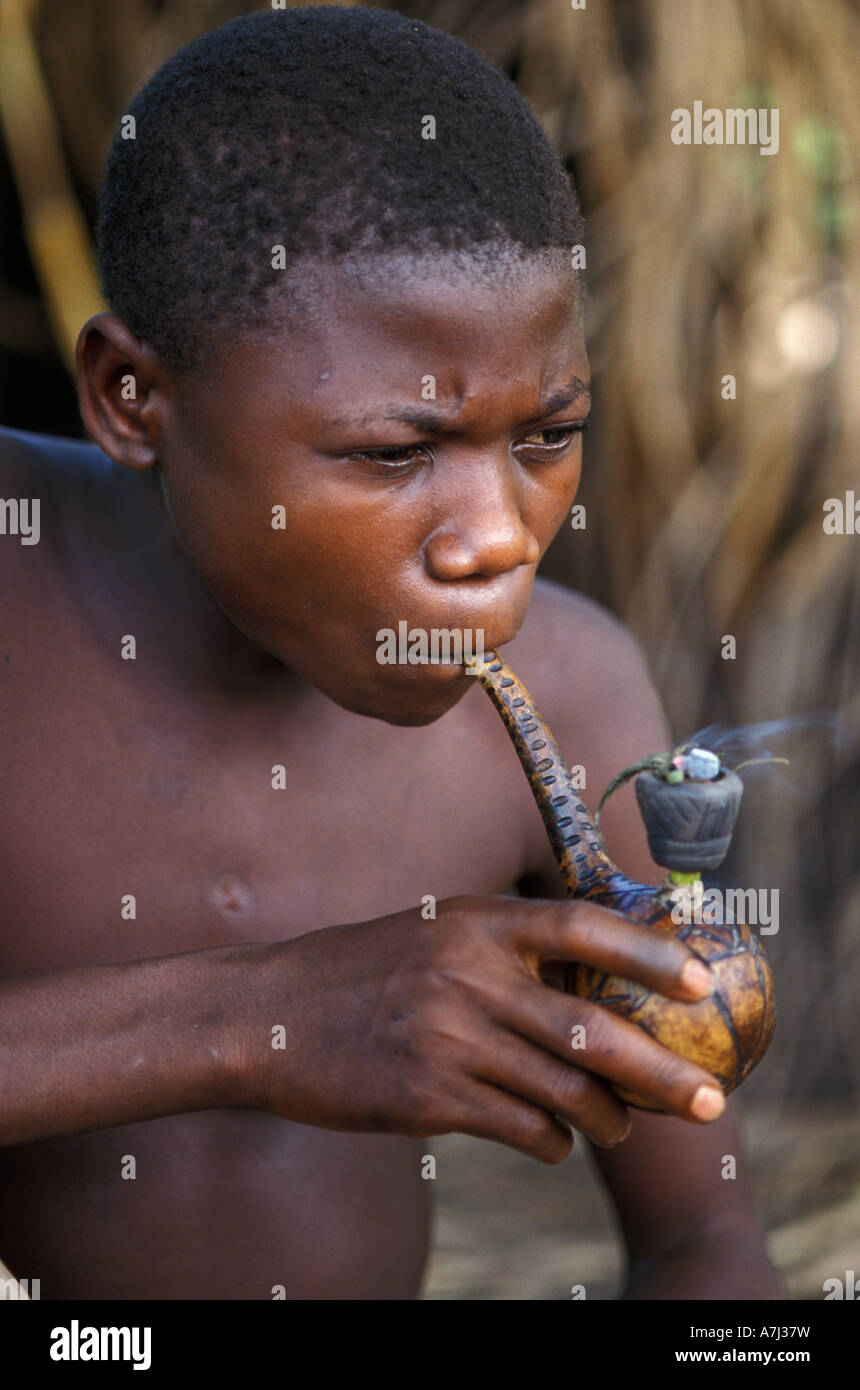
(729, 1032)
(689, 802)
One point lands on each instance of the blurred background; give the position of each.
(704, 513)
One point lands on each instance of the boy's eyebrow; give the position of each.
(430, 419)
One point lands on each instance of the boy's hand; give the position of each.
(414, 1027)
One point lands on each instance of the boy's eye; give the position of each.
(548, 442)
(554, 439)
(396, 459)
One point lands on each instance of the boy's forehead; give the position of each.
(436, 282)
(380, 329)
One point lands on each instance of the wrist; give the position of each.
(237, 1034)
(708, 1265)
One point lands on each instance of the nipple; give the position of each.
(233, 898)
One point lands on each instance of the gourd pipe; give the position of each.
(729, 1032)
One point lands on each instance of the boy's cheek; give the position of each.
(551, 506)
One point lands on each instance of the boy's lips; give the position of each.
(447, 667)
(493, 618)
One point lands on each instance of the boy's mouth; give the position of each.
(445, 649)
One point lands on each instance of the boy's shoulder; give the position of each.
(578, 659)
(83, 500)
(28, 458)
(64, 478)
(589, 678)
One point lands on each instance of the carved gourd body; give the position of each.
(729, 1032)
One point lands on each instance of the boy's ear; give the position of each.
(121, 391)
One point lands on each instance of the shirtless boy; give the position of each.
(169, 901)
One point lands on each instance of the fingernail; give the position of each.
(708, 1103)
(611, 1143)
(697, 978)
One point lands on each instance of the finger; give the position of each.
(612, 1048)
(582, 931)
(561, 1087)
(489, 1113)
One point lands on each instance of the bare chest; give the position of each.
(135, 823)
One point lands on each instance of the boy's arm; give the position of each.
(690, 1233)
(108, 1045)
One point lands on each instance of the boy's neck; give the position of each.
(210, 643)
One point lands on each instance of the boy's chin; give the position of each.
(416, 705)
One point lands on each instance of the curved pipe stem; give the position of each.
(576, 843)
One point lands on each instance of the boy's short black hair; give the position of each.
(303, 129)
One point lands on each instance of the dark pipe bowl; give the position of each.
(689, 823)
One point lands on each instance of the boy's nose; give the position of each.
(482, 533)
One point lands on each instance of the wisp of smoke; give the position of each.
(751, 741)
